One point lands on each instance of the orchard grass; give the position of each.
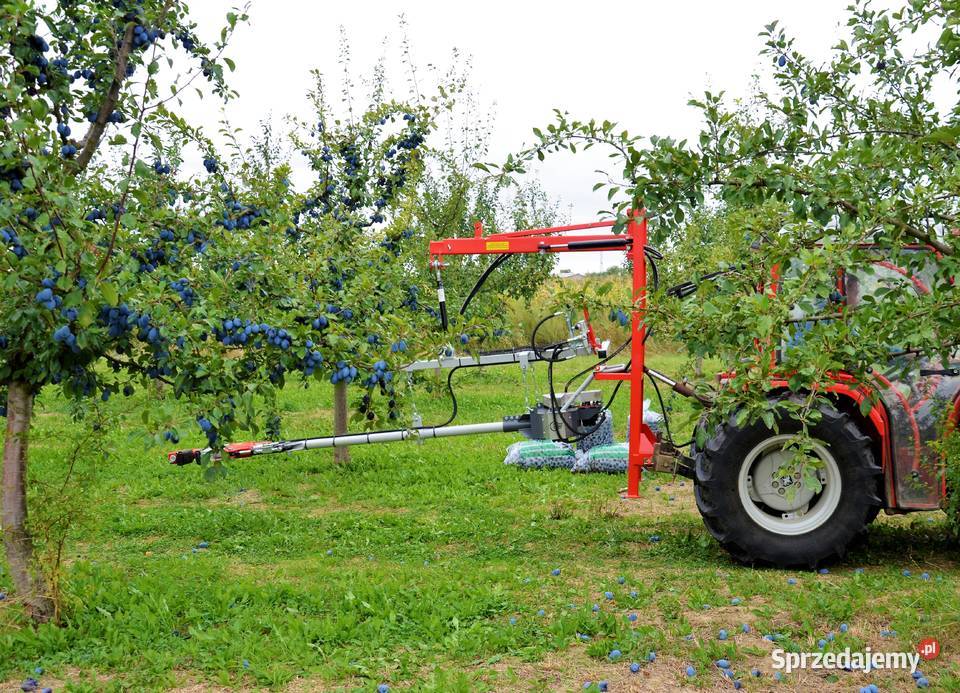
(407, 567)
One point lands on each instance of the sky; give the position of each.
(636, 63)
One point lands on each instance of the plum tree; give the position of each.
(97, 246)
(356, 223)
(379, 193)
(133, 251)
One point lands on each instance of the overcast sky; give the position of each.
(636, 63)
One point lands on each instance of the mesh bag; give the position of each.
(539, 454)
(602, 436)
(610, 459)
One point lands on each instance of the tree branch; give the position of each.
(908, 229)
(130, 169)
(90, 142)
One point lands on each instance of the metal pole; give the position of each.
(641, 447)
(396, 436)
(510, 424)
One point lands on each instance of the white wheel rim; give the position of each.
(764, 498)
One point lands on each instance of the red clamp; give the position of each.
(241, 450)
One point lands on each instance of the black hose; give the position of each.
(554, 403)
(453, 397)
(491, 268)
(687, 288)
(666, 416)
(653, 267)
(533, 336)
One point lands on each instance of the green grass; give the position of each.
(433, 548)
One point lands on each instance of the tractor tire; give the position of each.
(744, 507)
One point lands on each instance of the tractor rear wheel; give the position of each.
(756, 515)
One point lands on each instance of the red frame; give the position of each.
(554, 240)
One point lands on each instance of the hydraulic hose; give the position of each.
(491, 268)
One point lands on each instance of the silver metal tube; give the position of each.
(577, 393)
(661, 377)
(396, 436)
(571, 348)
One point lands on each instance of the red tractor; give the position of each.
(865, 463)
(884, 460)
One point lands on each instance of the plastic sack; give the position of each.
(609, 459)
(602, 436)
(652, 418)
(540, 454)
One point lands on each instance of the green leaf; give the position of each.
(768, 419)
(109, 292)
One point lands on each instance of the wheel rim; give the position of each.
(765, 497)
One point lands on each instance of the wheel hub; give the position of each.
(787, 494)
(784, 505)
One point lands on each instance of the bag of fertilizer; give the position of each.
(610, 459)
(539, 454)
(603, 435)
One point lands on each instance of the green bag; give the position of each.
(538, 454)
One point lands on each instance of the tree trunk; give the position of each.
(28, 580)
(340, 418)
